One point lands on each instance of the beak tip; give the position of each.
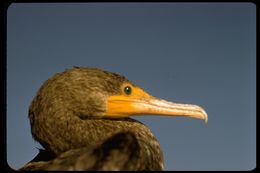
(206, 120)
(205, 116)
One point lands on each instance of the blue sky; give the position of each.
(198, 53)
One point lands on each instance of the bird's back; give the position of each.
(122, 151)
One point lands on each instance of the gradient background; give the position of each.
(200, 53)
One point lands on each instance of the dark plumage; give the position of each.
(71, 116)
(120, 152)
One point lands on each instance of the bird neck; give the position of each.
(60, 133)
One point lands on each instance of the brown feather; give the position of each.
(66, 114)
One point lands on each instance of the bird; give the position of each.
(81, 117)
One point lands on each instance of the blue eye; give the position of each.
(128, 90)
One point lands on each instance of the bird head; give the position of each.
(91, 92)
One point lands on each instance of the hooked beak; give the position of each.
(140, 102)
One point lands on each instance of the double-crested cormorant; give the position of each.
(81, 118)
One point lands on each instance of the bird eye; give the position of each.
(128, 90)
